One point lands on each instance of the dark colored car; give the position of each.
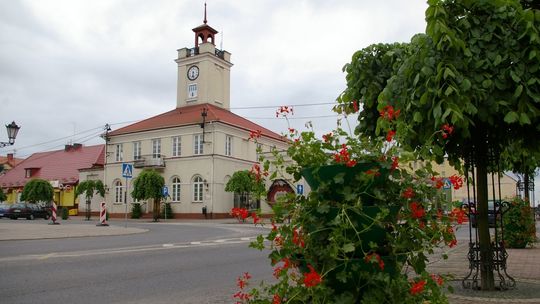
(3, 209)
(28, 211)
(491, 215)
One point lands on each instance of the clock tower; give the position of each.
(204, 72)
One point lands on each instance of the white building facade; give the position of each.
(197, 146)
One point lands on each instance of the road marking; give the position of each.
(123, 250)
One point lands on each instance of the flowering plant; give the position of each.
(364, 232)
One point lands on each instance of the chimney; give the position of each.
(76, 146)
(67, 148)
(10, 157)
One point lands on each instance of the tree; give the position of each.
(37, 190)
(149, 185)
(474, 74)
(245, 183)
(3, 196)
(89, 188)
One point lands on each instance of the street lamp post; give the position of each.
(12, 130)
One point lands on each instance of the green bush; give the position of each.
(519, 225)
(136, 211)
(65, 213)
(167, 209)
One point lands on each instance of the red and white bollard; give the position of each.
(53, 215)
(102, 215)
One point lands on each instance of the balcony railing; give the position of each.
(146, 161)
(192, 52)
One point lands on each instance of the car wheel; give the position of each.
(31, 217)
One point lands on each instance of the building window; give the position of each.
(137, 150)
(192, 90)
(198, 185)
(175, 189)
(28, 173)
(156, 148)
(119, 153)
(197, 144)
(118, 192)
(228, 145)
(176, 146)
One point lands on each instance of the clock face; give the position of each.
(193, 72)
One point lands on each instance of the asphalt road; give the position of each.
(172, 263)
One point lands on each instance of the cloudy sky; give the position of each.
(68, 67)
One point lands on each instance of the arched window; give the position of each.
(175, 195)
(118, 192)
(198, 185)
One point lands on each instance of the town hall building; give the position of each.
(197, 146)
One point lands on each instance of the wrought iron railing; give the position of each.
(145, 161)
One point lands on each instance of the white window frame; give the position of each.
(156, 148)
(118, 192)
(228, 145)
(198, 145)
(119, 153)
(192, 90)
(198, 187)
(176, 146)
(176, 189)
(136, 150)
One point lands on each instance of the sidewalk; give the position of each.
(522, 264)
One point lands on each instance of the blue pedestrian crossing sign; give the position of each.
(300, 189)
(127, 170)
(447, 184)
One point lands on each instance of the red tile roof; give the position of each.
(190, 115)
(61, 165)
(11, 162)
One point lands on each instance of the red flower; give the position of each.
(437, 279)
(351, 163)
(355, 106)
(458, 215)
(298, 239)
(439, 183)
(418, 287)
(390, 135)
(256, 219)
(417, 211)
(447, 130)
(389, 113)
(255, 134)
(327, 137)
(312, 278)
(284, 110)
(344, 157)
(395, 163)
(452, 243)
(408, 193)
(377, 257)
(456, 181)
(292, 130)
(276, 299)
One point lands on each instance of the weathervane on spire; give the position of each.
(205, 13)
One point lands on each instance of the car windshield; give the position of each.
(19, 205)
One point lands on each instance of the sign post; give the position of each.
(165, 193)
(127, 172)
(299, 189)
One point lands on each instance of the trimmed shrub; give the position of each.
(136, 211)
(167, 208)
(519, 225)
(65, 213)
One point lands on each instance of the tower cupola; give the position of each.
(204, 33)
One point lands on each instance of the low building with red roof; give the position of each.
(62, 168)
(8, 162)
(197, 146)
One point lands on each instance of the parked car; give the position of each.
(27, 210)
(3, 209)
(491, 215)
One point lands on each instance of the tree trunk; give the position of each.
(156, 210)
(527, 189)
(486, 258)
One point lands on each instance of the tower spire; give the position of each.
(204, 13)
